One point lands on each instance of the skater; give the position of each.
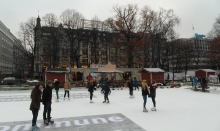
(106, 91)
(35, 105)
(89, 78)
(153, 87)
(56, 86)
(67, 88)
(145, 91)
(135, 83)
(91, 89)
(195, 82)
(203, 83)
(130, 86)
(46, 99)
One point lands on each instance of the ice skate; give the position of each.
(153, 109)
(104, 101)
(91, 101)
(145, 110)
(68, 98)
(46, 122)
(34, 128)
(57, 100)
(64, 98)
(107, 102)
(50, 121)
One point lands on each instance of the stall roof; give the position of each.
(207, 70)
(108, 69)
(153, 70)
(57, 70)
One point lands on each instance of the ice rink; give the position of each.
(178, 109)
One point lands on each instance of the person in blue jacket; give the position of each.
(195, 80)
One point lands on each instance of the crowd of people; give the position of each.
(39, 95)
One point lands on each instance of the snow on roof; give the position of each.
(57, 70)
(154, 70)
(207, 70)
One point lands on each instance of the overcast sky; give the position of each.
(199, 13)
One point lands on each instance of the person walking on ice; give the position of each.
(106, 91)
(153, 87)
(67, 88)
(145, 91)
(46, 100)
(35, 105)
(130, 86)
(91, 89)
(56, 86)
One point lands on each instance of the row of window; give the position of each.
(6, 55)
(6, 41)
(6, 48)
(5, 68)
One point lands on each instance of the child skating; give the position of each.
(106, 91)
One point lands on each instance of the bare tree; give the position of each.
(214, 53)
(26, 36)
(215, 29)
(50, 20)
(127, 23)
(73, 21)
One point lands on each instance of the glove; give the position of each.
(43, 103)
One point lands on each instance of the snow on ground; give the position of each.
(178, 109)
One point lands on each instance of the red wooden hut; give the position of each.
(56, 73)
(204, 72)
(152, 74)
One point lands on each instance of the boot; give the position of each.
(91, 101)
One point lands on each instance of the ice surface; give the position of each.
(178, 109)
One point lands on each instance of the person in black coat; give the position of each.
(153, 87)
(46, 100)
(91, 89)
(56, 86)
(106, 91)
(130, 86)
(145, 92)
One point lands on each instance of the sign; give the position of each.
(109, 122)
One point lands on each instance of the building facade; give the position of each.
(13, 55)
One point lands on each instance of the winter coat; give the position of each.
(35, 99)
(56, 85)
(106, 89)
(145, 91)
(47, 94)
(91, 87)
(153, 90)
(130, 85)
(135, 82)
(203, 80)
(67, 86)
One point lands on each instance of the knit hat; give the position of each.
(104, 82)
(49, 82)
